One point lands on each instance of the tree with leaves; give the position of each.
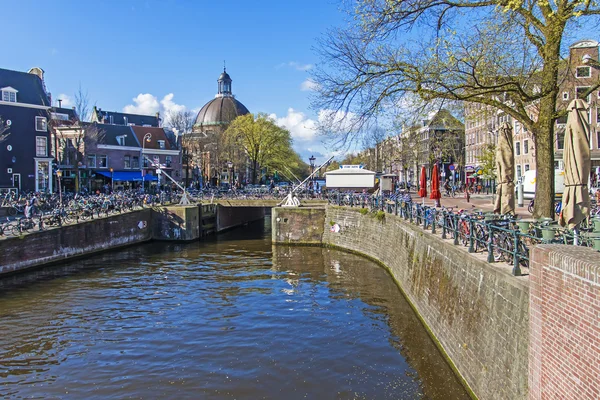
(76, 138)
(487, 161)
(504, 54)
(264, 143)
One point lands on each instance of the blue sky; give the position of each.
(118, 50)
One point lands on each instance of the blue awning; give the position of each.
(127, 176)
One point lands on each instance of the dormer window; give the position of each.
(121, 140)
(161, 144)
(9, 94)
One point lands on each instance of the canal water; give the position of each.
(233, 317)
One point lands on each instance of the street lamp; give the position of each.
(230, 169)
(112, 181)
(147, 138)
(312, 168)
(59, 175)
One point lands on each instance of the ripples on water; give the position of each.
(230, 318)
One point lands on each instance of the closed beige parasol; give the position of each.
(505, 171)
(576, 156)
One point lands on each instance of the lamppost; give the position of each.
(230, 169)
(59, 175)
(312, 166)
(147, 138)
(112, 181)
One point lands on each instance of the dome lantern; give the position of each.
(224, 82)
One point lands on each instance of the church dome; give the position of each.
(224, 108)
(220, 111)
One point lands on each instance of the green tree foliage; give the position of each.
(504, 54)
(487, 161)
(265, 144)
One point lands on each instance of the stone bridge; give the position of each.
(265, 203)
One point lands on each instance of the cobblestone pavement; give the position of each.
(477, 202)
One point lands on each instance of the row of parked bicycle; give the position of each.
(502, 237)
(39, 211)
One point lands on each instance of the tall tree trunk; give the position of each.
(544, 130)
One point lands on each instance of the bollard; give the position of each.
(516, 268)
(520, 195)
(456, 229)
(471, 236)
(490, 242)
(443, 224)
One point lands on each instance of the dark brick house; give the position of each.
(25, 160)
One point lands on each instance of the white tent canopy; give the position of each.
(350, 177)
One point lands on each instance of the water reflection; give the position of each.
(229, 318)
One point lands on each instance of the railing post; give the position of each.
(338, 199)
(410, 214)
(490, 241)
(471, 235)
(456, 229)
(443, 224)
(396, 206)
(433, 211)
(424, 216)
(516, 271)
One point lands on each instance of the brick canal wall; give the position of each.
(564, 360)
(85, 238)
(171, 223)
(477, 312)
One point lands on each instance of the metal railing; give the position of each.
(502, 237)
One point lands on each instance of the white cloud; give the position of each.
(296, 65)
(170, 106)
(145, 104)
(309, 85)
(337, 121)
(300, 126)
(148, 104)
(67, 101)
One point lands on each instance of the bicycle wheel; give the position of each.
(463, 232)
(12, 211)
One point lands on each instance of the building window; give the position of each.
(9, 95)
(127, 162)
(526, 167)
(519, 173)
(41, 148)
(40, 124)
(583, 72)
(161, 144)
(560, 139)
(561, 120)
(91, 161)
(565, 96)
(59, 116)
(102, 161)
(517, 148)
(156, 160)
(145, 162)
(168, 161)
(580, 91)
(525, 147)
(135, 162)
(121, 140)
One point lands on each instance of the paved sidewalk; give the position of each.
(477, 202)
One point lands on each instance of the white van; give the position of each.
(528, 182)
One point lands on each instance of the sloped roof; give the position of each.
(118, 118)
(157, 134)
(29, 86)
(110, 133)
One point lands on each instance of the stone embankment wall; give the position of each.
(564, 358)
(85, 238)
(478, 313)
(172, 223)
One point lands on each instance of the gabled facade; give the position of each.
(25, 159)
(583, 70)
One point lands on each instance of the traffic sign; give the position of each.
(451, 167)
